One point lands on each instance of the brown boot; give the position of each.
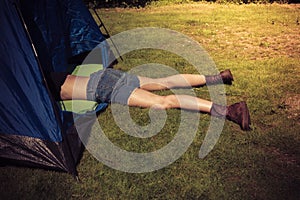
(225, 77)
(237, 113)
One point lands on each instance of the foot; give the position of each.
(225, 77)
(239, 113)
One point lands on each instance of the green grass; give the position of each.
(260, 44)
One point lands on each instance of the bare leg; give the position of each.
(237, 113)
(175, 81)
(146, 99)
(185, 80)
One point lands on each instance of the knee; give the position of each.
(168, 102)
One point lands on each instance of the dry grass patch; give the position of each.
(292, 103)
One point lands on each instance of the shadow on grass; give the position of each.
(25, 183)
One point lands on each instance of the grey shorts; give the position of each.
(111, 86)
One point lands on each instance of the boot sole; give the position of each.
(246, 118)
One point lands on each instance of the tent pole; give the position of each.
(106, 31)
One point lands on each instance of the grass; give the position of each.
(260, 44)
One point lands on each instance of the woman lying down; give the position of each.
(114, 86)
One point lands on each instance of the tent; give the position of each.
(38, 37)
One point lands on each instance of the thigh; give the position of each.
(145, 99)
(174, 81)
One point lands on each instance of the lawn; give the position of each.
(261, 46)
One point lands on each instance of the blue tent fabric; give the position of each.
(33, 130)
(25, 105)
(66, 28)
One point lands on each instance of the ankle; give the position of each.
(219, 111)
